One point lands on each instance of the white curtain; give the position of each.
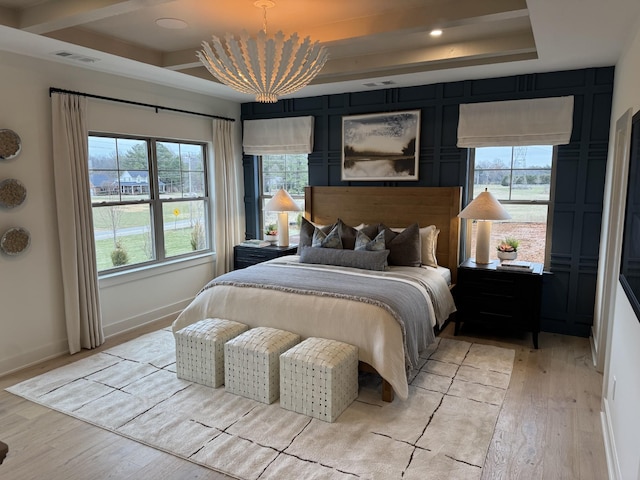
(229, 211)
(541, 121)
(75, 225)
(278, 136)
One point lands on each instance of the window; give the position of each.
(290, 172)
(521, 179)
(149, 199)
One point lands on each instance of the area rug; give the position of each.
(441, 432)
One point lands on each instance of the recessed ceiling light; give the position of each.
(171, 23)
(436, 32)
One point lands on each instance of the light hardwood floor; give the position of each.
(549, 427)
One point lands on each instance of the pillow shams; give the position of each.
(367, 260)
(429, 245)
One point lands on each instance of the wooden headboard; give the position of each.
(395, 207)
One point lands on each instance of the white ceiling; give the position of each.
(369, 41)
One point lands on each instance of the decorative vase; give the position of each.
(507, 255)
(271, 238)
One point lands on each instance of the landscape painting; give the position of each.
(381, 146)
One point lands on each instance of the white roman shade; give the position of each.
(540, 121)
(278, 136)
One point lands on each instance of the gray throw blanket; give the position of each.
(406, 304)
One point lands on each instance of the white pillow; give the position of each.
(429, 245)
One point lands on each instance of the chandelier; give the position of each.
(265, 66)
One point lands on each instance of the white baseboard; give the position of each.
(167, 312)
(613, 466)
(33, 357)
(61, 347)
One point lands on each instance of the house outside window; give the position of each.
(521, 178)
(291, 172)
(149, 200)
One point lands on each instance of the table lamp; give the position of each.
(282, 203)
(484, 208)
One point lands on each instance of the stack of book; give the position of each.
(255, 243)
(515, 266)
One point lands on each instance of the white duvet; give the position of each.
(371, 328)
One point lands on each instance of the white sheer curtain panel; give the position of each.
(75, 225)
(229, 209)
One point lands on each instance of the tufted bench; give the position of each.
(252, 362)
(319, 378)
(200, 350)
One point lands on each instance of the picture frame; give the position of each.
(381, 146)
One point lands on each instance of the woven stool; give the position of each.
(252, 363)
(200, 350)
(319, 378)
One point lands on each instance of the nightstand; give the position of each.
(246, 256)
(506, 299)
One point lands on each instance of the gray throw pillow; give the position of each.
(404, 247)
(363, 242)
(306, 233)
(348, 233)
(363, 259)
(327, 240)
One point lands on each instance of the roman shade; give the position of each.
(540, 121)
(278, 136)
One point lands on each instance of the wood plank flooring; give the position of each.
(549, 427)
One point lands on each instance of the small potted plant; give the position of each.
(271, 233)
(508, 248)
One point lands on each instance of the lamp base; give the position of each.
(283, 229)
(483, 239)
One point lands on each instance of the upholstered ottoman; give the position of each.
(319, 378)
(252, 362)
(200, 350)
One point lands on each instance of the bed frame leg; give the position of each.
(387, 391)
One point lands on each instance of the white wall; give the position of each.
(32, 326)
(621, 413)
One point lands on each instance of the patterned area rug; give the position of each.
(442, 431)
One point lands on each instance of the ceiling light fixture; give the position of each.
(436, 32)
(266, 66)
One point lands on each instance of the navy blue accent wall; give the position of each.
(569, 291)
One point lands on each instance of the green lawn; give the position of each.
(177, 242)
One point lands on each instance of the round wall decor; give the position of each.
(12, 193)
(15, 241)
(10, 144)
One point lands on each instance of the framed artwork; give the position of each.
(381, 146)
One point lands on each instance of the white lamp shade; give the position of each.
(281, 202)
(485, 207)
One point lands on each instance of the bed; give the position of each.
(390, 314)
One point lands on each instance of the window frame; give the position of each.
(264, 198)
(549, 203)
(156, 203)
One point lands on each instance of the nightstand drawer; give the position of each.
(245, 256)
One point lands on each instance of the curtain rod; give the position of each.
(130, 102)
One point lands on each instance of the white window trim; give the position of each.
(550, 204)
